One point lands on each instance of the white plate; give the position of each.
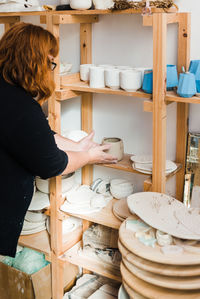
(141, 159)
(162, 212)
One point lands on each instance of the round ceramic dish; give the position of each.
(165, 213)
(75, 135)
(80, 4)
(120, 188)
(39, 201)
(35, 217)
(67, 183)
(146, 159)
(120, 208)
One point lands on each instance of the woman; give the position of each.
(28, 147)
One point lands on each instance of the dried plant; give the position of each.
(124, 4)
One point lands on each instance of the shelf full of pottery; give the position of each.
(136, 81)
(160, 247)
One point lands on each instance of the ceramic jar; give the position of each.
(117, 147)
(97, 77)
(112, 78)
(172, 76)
(187, 85)
(85, 71)
(80, 4)
(195, 69)
(147, 85)
(130, 80)
(103, 4)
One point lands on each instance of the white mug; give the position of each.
(85, 71)
(112, 78)
(130, 80)
(97, 77)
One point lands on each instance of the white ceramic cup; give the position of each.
(80, 4)
(103, 4)
(130, 80)
(117, 147)
(85, 71)
(97, 77)
(124, 67)
(112, 78)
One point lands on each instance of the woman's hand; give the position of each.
(97, 154)
(87, 143)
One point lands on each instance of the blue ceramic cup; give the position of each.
(187, 85)
(172, 79)
(172, 76)
(195, 69)
(147, 85)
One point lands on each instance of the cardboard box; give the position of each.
(15, 284)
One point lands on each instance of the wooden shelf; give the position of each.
(173, 97)
(104, 217)
(81, 86)
(90, 263)
(39, 241)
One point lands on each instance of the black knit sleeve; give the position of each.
(32, 144)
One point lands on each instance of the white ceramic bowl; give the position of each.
(130, 80)
(112, 78)
(121, 188)
(103, 4)
(75, 135)
(80, 4)
(67, 183)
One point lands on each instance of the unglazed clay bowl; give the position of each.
(131, 80)
(121, 188)
(80, 4)
(67, 183)
(117, 147)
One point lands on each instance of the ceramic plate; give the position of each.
(72, 209)
(39, 201)
(142, 159)
(177, 283)
(161, 212)
(122, 293)
(120, 208)
(158, 268)
(154, 292)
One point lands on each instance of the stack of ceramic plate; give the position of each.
(143, 163)
(149, 270)
(121, 210)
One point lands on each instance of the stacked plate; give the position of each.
(143, 163)
(149, 270)
(121, 210)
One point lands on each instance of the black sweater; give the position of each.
(27, 149)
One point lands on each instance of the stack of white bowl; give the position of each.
(121, 188)
(114, 77)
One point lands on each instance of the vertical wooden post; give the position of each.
(159, 106)
(54, 113)
(86, 104)
(182, 108)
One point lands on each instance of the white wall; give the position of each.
(122, 40)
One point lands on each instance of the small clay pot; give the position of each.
(117, 147)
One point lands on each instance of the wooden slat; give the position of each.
(159, 106)
(84, 87)
(71, 19)
(90, 263)
(66, 94)
(171, 19)
(8, 20)
(184, 34)
(173, 97)
(70, 78)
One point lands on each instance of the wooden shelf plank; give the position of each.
(84, 12)
(84, 87)
(39, 241)
(89, 263)
(173, 97)
(104, 217)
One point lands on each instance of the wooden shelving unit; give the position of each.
(68, 87)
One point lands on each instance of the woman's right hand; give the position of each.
(97, 154)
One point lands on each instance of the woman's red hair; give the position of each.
(24, 51)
